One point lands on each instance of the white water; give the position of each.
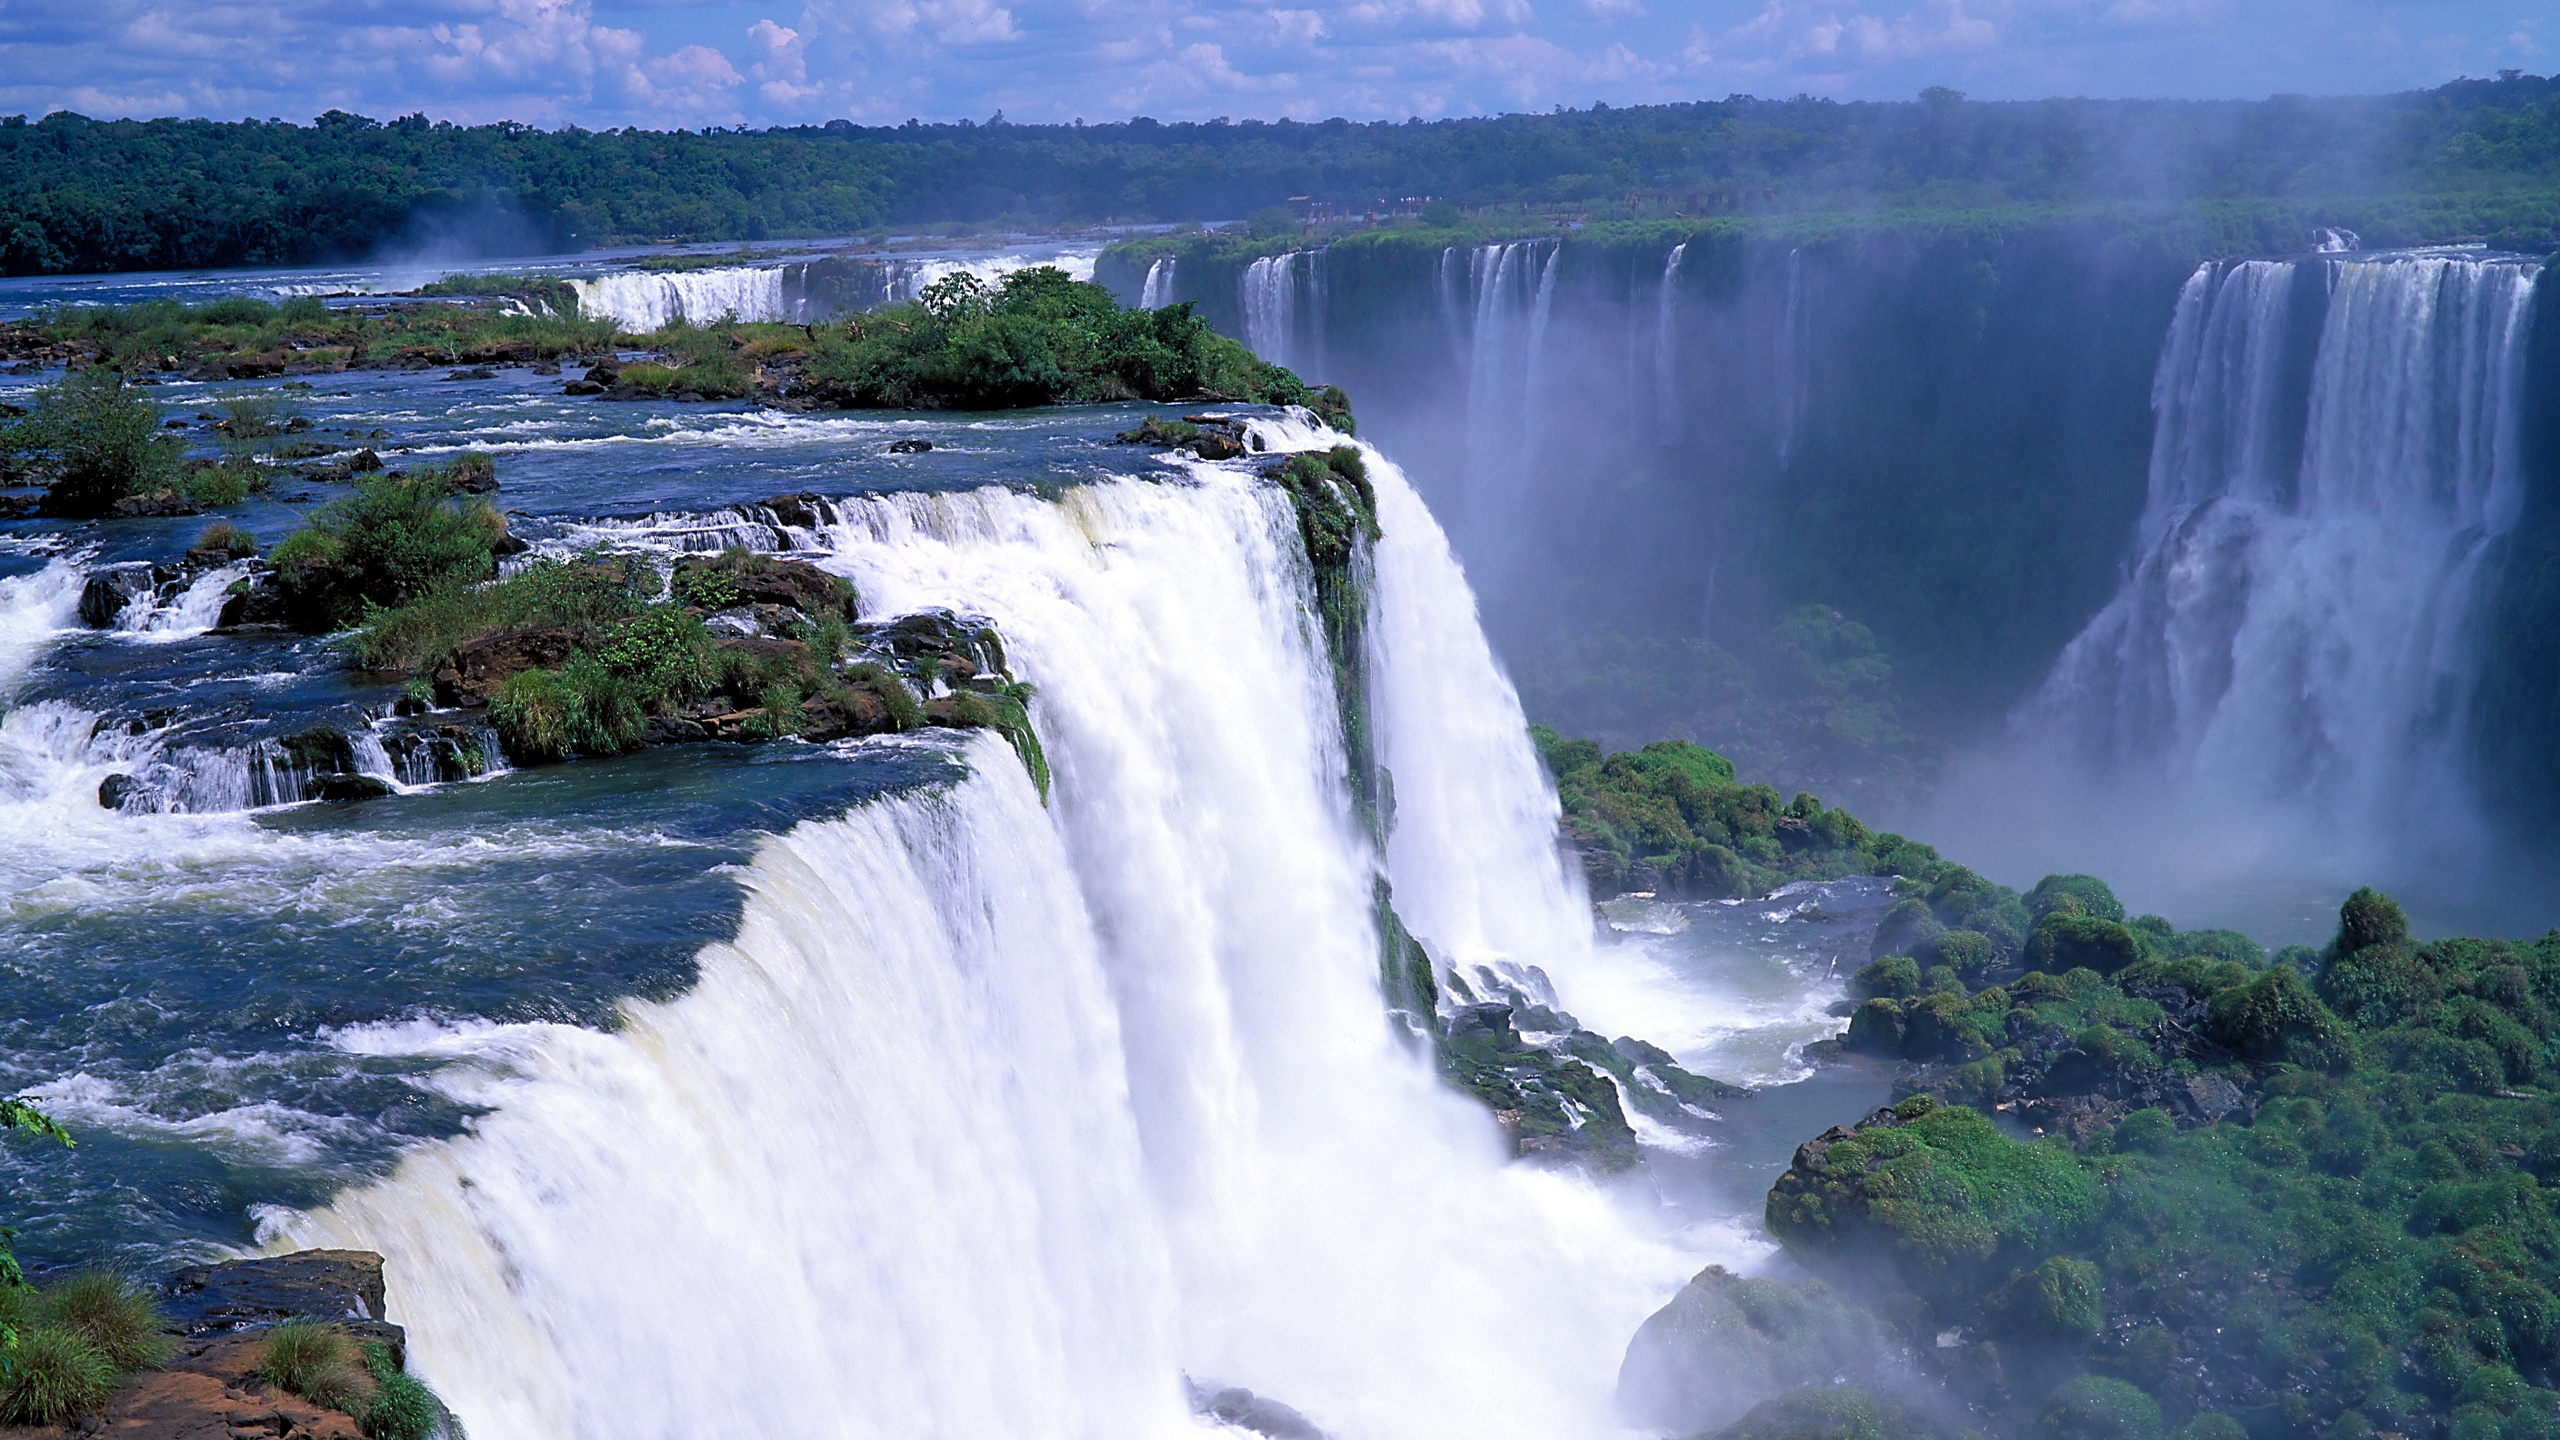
(1283, 301)
(1666, 345)
(2298, 624)
(997, 1120)
(1157, 290)
(914, 276)
(1510, 292)
(189, 613)
(642, 301)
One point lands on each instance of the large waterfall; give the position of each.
(1282, 298)
(997, 1119)
(2335, 460)
(800, 291)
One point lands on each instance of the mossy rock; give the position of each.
(1727, 1343)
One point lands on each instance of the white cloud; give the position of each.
(664, 62)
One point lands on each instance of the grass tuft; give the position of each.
(112, 1313)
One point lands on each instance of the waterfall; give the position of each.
(999, 1119)
(33, 608)
(190, 612)
(1666, 335)
(1794, 354)
(1270, 303)
(1510, 296)
(642, 301)
(2334, 460)
(1157, 291)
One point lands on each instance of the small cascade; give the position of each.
(1157, 291)
(183, 609)
(642, 301)
(914, 277)
(33, 609)
(2335, 460)
(2329, 241)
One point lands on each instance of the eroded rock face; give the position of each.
(109, 590)
(210, 1391)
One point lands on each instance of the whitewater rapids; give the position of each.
(998, 1118)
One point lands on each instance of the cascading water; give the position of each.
(1001, 1120)
(1666, 345)
(1157, 291)
(1511, 292)
(2335, 459)
(642, 301)
(1269, 300)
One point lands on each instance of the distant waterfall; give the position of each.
(642, 301)
(2334, 460)
(1282, 297)
(1666, 345)
(1794, 353)
(997, 1119)
(1508, 295)
(1157, 292)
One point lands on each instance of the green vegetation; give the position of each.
(2303, 1196)
(243, 339)
(78, 194)
(320, 1363)
(397, 538)
(1671, 818)
(93, 440)
(1038, 339)
(71, 1345)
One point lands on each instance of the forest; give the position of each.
(78, 194)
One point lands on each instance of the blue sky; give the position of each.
(699, 62)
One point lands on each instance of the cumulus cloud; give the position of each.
(685, 62)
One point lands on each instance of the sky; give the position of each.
(691, 63)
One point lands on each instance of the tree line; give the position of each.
(87, 195)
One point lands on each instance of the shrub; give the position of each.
(2276, 1017)
(2089, 894)
(1894, 977)
(2095, 1408)
(225, 539)
(99, 438)
(2370, 918)
(2069, 939)
(113, 1314)
(402, 1408)
(2223, 1427)
(2146, 1130)
(318, 1363)
(535, 712)
(237, 310)
(396, 538)
(53, 1378)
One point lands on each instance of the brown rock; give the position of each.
(479, 665)
(768, 580)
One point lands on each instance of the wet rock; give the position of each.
(475, 372)
(804, 511)
(364, 461)
(909, 447)
(1234, 1405)
(345, 1286)
(582, 387)
(110, 589)
(345, 789)
(322, 750)
(473, 474)
(157, 503)
(738, 577)
(116, 790)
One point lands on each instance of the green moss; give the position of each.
(2096, 1408)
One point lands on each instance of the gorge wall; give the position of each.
(2000, 445)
